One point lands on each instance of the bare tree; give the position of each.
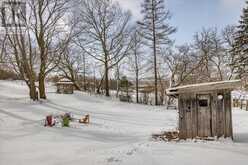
(117, 77)
(218, 56)
(18, 47)
(21, 54)
(156, 31)
(38, 44)
(228, 35)
(47, 16)
(71, 65)
(209, 46)
(204, 45)
(136, 60)
(182, 64)
(106, 34)
(73, 62)
(207, 59)
(3, 39)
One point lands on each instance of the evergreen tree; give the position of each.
(125, 85)
(241, 43)
(156, 30)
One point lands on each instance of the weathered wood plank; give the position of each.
(182, 129)
(212, 118)
(194, 115)
(188, 117)
(228, 114)
(214, 114)
(220, 119)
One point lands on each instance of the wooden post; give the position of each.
(214, 110)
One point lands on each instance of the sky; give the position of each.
(190, 16)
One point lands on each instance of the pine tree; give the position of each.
(241, 43)
(156, 30)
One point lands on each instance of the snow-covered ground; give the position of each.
(119, 133)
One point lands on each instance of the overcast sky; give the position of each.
(190, 16)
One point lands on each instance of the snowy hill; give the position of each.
(119, 133)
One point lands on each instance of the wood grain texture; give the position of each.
(213, 119)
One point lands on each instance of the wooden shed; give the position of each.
(65, 86)
(205, 110)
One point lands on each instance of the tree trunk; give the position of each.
(75, 82)
(42, 74)
(42, 88)
(99, 85)
(136, 70)
(32, 90)
(137, 87)
(117, 81)
(136, 78)
(28, 71)
(162, 90)
(106, 80)
(77, 86)
(155, 77)
(94, 80)
(84, 74)
(155, 55)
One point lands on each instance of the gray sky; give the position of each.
(190, 16)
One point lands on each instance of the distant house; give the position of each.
(65, 86)
(205, 109)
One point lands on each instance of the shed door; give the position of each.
(204, 115)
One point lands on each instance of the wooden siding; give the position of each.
(215, 120)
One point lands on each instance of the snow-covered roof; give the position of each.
(65, 81)
(210, 86)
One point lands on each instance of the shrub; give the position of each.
(7, 74)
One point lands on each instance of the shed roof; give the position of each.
(203, 87)
(64, 81)
(146, 88)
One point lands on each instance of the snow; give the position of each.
(119, 133)
(206, 84)
(230, 84)
(239, 94)
(66, 83)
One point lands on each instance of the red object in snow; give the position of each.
(49, 121)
